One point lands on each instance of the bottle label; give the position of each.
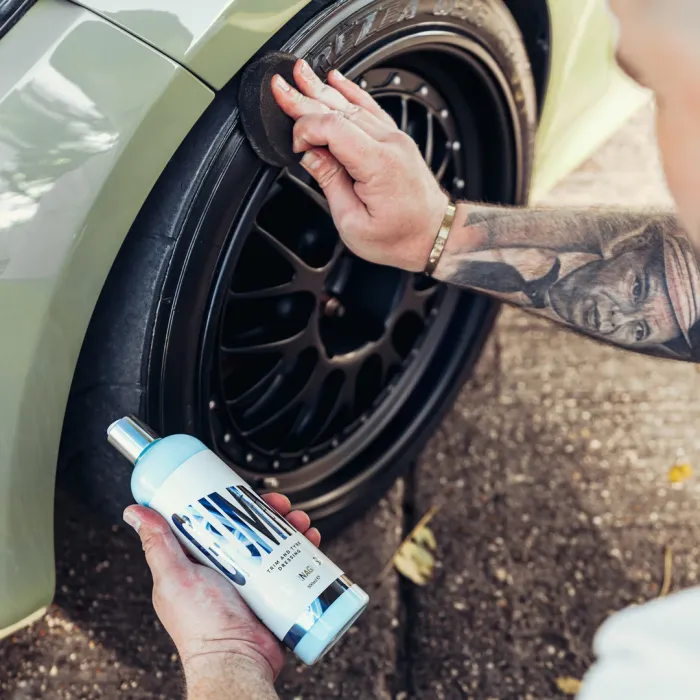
(224, 524)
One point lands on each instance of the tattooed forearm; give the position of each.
(629, 279)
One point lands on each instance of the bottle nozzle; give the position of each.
(130, 437)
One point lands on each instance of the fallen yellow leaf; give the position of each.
(679, 473)
(415, 563)
(414, 558)
(568, 685)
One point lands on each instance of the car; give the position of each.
(150, 264)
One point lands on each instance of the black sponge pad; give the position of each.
(267, 127)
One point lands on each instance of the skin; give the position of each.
(605, 274)
(218, 638)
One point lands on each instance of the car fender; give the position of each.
(212, 38)
(89, 117)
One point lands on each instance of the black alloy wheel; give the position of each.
(308, 369)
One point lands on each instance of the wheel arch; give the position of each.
(80, 159)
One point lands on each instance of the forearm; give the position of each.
(625, 278)
(235, 677)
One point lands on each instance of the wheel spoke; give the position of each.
(259, 406)
(429, 138)
(289, 255)
(443, 167)
(390, 358)
(287, 405)
(284, 344)
(260, 387)
(404, 114)
(316, 197)
(341, 401)
(337, 252)
(266, 293)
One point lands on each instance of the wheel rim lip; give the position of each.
(306, 476)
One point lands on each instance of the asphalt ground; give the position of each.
(551, 474)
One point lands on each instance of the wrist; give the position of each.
(464, 237)
(217, 674)
(415, 257)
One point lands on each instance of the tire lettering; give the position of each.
(366, 28)
(443, 7)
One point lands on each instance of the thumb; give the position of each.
(336, 184)
(164, 555)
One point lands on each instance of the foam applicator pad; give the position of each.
(267, 127)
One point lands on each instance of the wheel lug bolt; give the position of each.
(396, 80)
(249, 458)
(334, 442)
(456, 146)
(459, 183)
(424, 91)
(271, 482)
(364, 84)
(212, 405)
(276, 464)
(444, 114)
(333, 308)
(227, 437)
(305, 459)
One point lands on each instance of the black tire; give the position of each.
(145, 348)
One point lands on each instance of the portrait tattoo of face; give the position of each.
(623, 299)
(629, 279)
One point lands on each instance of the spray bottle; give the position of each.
(297, 592)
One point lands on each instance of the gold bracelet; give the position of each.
(440, 239)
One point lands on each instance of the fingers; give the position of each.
(312, 86)
(315, 97)
(352, 147)
(337, 185)
(298, 518)
(314, 536)
(356, 95)
(164, 555)
(279, 502)
(371, 120)
(293, 102)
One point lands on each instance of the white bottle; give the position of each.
(299, 594)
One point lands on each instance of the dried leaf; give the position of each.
(568, 685)
(414, 558)
(679, 473)
(415, 563)
(425, 537)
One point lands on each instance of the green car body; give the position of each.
(95, 98)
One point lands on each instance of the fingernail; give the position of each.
(338, 74)
(282, 83)
(132, 519)
(311, 161)
(306, 70)
(299, 145)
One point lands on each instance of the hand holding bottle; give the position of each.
(222, 644)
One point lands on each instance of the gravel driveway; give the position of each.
(551, 473)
